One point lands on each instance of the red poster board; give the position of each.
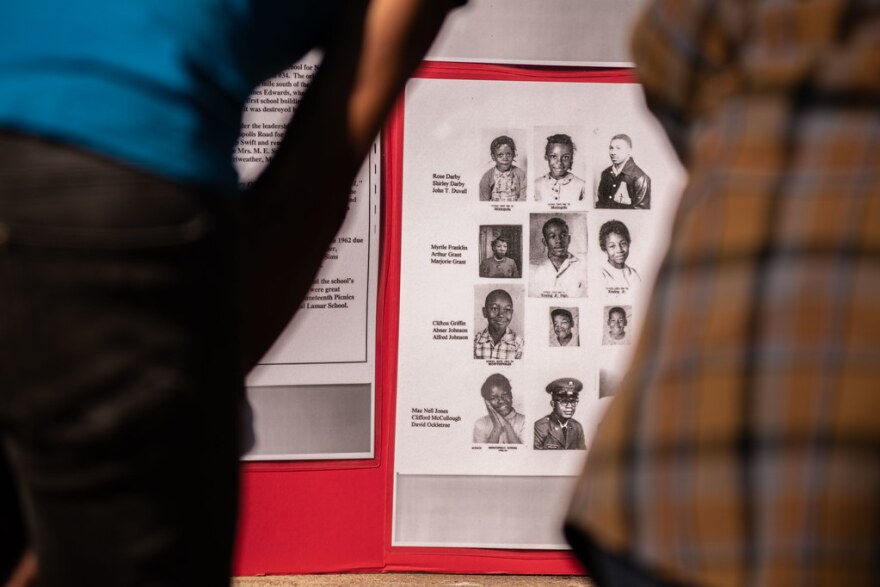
(335, 516)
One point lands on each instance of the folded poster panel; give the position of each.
(534, 214)
(312, 394)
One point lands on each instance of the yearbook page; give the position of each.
(533, 223)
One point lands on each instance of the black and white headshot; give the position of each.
(498, 340)
(564, 327)
(615, 241)
(623, 184)
(505, 181)
(616, 329)
(554, 271)
(501, 251)
(503, 424)
(559, 184)
(558, 430)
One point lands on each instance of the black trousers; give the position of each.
(118, 382)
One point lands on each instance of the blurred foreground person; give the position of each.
(743, 447)
(137, 287)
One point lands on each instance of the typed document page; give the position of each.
(312, 394)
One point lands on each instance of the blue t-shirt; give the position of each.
(159, 84)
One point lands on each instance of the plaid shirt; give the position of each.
(510, 346)
(743, 447)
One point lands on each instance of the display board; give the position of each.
(442, 488)
(293, 511)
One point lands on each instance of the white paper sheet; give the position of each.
(316, 384)
(447, 232)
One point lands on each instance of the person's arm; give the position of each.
(486, 185)
(540, 435)
(520, 429)
(602, 195)
(521, 180)
(497, 427)
(295, 208)
(25, 573)
(512, 436)
(642, 197)
(580, 441)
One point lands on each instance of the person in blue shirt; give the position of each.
(138, 283)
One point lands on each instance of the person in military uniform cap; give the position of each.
(558, 430)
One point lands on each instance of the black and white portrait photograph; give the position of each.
(564, 327)
(556, 182)
(558, 430)
(615, 241)
(557, 255)
(505, 179)
(502, 424)
(499, 317)
(616, 322)
(501, 249)
(623, 184)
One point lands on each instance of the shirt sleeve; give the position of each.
(683, 50)
(640, 197)
(540, 436)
